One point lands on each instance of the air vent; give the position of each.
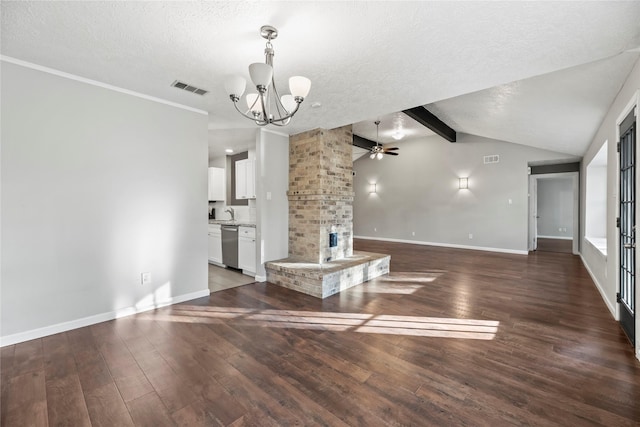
(494, 158)
(189, 88)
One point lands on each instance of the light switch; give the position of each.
(268, 195)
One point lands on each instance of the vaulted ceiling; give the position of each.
(535, 73)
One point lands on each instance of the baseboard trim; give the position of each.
(261, 278)
(611, 308)
(92, 320)
(556, 237)
(445, 245)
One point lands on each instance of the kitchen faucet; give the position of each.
(232, 213)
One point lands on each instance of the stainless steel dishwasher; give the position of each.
(230, 245)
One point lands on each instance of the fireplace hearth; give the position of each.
(321, 260)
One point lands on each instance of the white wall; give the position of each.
(418, 193)
(272, 183)
(555, 207)
(98, 186)
(596, 202)
(604, 268)
(596, 198)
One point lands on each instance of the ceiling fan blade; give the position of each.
(391, 148)
(391, 154)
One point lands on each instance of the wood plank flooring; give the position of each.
(555, 245)
(449, 338)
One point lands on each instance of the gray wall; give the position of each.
(555, 207)
(418, 193)
(98, 186)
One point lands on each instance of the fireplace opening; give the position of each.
(333, 240)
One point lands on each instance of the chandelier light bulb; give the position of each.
(261, 74)
(379, 156)
(299, 86)
(289, 103)
(235, 86)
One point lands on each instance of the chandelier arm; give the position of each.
(265, 113)
(235, 104)
(279, 107)
(287, 117)
(284, 123)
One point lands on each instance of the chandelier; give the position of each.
(267, 107)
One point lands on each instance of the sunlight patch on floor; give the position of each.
(371, 288)
(400, 283)
(340, 322)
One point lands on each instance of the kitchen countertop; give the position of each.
(229, 222)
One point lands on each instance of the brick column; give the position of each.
(320, 194)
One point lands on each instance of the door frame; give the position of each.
(634, 103)
(533, 202)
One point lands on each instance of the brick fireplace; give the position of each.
(320, 205)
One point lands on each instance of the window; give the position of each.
(596, 200)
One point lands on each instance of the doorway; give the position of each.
(627, 225)
(554, 212)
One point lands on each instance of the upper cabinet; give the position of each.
(216, 184)
(245, 179)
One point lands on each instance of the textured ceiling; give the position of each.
(559, 111)
(365, 59)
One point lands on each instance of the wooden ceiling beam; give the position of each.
(361, 142)
(429, 120)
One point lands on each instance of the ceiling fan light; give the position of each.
(235, 86)
(261, 74)
(372, 156)
(288, 102)
(379, 155)
(299, 86)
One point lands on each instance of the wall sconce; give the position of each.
(373, 188)
(463, 183)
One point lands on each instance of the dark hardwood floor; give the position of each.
(450, 337)
(555, 245)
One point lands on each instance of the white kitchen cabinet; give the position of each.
(216, 184)
(215, 244)
(247, 249)
(245, 179)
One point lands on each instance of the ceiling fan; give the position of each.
(378, 151)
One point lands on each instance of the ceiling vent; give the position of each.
(189, 88)
(494, 158)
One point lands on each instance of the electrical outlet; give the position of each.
(413, 233)
(510, 201)
(145, 278)
(470, 236)
(375, 229)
